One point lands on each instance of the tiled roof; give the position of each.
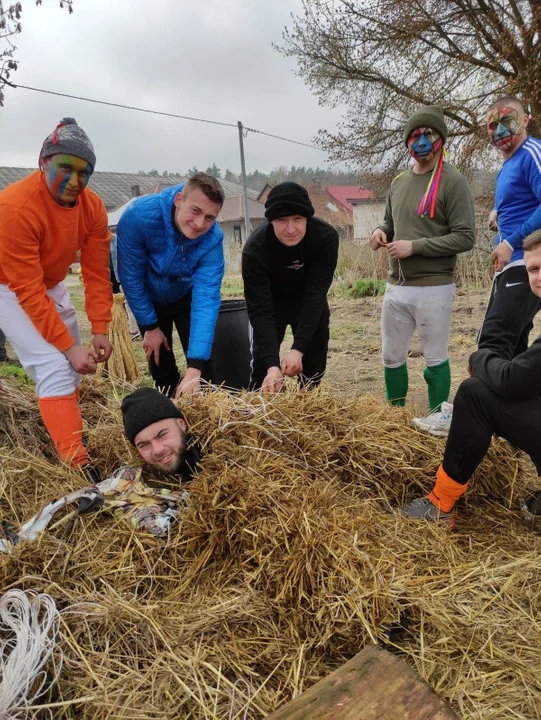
(233, 209)
(342, 193)
(327, 207)
(116, 188)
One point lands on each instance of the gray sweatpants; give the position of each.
(427, 308)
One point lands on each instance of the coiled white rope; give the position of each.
(28, 629)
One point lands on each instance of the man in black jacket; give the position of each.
(288, 265)
(502, 396)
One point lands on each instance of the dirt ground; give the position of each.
(354, 364)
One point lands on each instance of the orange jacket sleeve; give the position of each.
(20, 260)
(95, 252)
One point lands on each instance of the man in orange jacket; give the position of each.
(45, 219)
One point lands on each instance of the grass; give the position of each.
(9, 370)
(232, 286)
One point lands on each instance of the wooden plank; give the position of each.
(374, 685)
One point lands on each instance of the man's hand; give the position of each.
(190, 384)
(493, 220)
(400, 249)
(378, 239)
(273, 381)
(501, 255)
(82, 359)
(102, 346)
(152, 342)
(292, 363)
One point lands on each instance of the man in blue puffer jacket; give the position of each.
(170, 266)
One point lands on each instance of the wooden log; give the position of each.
(374, 685)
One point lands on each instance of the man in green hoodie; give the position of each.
(429, 219)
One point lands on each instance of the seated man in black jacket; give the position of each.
(502, 396)
(288, 265)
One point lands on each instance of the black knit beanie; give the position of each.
(144, 407)
(68, 139)
(430, 116)
(288, 198)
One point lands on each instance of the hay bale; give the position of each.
(285, 566)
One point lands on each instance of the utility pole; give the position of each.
(247, 224)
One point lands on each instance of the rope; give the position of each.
(28, 630)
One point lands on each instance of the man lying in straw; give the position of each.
(502, 396)
(157, 429)
(45, 219)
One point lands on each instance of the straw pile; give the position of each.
(122, 365)
(285, 566)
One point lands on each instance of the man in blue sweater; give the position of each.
(170, 266)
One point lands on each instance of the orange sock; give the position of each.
(62, 418)
(446, 491)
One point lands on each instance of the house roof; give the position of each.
(115, 189)
(327, 207)
(233, 209)
(344, 193)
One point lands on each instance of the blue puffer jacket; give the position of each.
(157, 265)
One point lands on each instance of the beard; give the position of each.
(175, 463)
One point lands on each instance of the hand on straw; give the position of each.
(82, 359)
(273, 381)
(190, 384)
(152, 342)
(292, 363)
(102, 346)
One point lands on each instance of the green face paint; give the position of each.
(66, 176)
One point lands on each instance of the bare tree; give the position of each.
(10, 27)
(384, 58)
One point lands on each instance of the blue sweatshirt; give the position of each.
(518, 196)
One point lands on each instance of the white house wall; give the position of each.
(367, 216)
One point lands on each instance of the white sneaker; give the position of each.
(438, 423)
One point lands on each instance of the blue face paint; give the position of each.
(67, 177)
(501, 132)
(422, 147)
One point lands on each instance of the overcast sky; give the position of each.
(209, 59)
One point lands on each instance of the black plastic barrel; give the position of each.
(232, 348)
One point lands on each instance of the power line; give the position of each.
(158, 112)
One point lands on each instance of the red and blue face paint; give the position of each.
(66, 176)
(503, 127)
(424, 143)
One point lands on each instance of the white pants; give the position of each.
(426, 308)
(47, 366)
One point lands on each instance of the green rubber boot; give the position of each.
(438, 379)
(396, 384)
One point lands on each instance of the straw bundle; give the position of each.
(20, 423)
(285, 565)
(122, 365)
